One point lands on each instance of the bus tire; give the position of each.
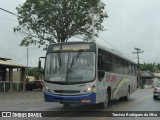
(105, 103)
(127, 97)
(155, 97)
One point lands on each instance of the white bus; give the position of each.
(87, 73)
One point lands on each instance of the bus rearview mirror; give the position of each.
(39, 64)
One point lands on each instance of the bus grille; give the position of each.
(67, 91)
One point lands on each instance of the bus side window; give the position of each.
(130, 69)
(134, 70)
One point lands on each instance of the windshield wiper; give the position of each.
(74, 59)
(59, 59)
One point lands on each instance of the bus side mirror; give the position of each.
(101, 75)
(39, 64)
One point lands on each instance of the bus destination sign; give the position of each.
(56, 48)
(73, 47)
(76, 47)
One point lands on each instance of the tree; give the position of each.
(52, 21)
(158, 66)
(34, 71)
(148, 67)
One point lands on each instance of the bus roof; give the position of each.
(114, 52)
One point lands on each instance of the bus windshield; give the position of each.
(70, 67)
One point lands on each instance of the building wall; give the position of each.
(16, 76)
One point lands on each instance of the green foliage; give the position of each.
(34, 71)
(148, 67)
(158, 66)
(51, 21)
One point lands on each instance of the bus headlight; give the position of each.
(89, 89)
(47, 89)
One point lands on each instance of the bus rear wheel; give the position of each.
(127, 97)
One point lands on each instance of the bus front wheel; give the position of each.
(105, 103)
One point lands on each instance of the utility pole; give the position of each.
(138, 74)
(27, 66)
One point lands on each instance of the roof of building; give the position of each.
(11, 64)
(146, 74)
(5, 59)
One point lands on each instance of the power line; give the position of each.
(106, 41)
(115, 47)
(8, 11)
(8, 19)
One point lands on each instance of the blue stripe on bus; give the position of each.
(50, 97)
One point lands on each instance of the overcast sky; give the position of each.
(131, 23)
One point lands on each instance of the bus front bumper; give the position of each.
(89, 98)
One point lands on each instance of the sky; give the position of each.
(134, 23)
(130, 24)
(10, 42)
